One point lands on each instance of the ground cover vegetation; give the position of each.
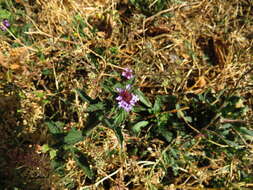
(126, 94)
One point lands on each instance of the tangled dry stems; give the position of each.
(168, 54)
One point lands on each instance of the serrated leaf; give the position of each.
(52, 154)
(174, 153)
(120, 117)
(143, 99)
(45, 148)
(96, 107)
(83, 163)
(55, 127)
(161, 100)
(239, 104)
(165, 133)
(137, 127)
(188, 119)
(157, 105)
(245, 131)
(73, 137)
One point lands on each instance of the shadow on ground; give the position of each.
(21, 166)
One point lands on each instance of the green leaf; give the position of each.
(163, 100)
(188, 119)
(83, 163)
(96, 107)
(143, 99)
(73, 137)
(4, 14)
(52, 154)
(120, 117)
(55, 127)
(84, 97)
(119, 135)
(157, 105)
(231, 143)
(39, 94)
(165, 133)
(174, 153)
(108, 123)
(226, 126)
(117, 130)
(58, 165)
(45, 148)
(245, 131)
(137, 127)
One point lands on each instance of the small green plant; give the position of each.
(149, 7)
(168, 118)
(111, 112)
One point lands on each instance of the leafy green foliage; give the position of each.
(149, 7)
(63, 146)
(120, 117)
(73, 137)
(83, 163)
(55, 127)
(4, 14)
(138, 126)
(143, 98)
(95, 107)
(234, 108)
(79, 25)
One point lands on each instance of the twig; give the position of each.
(224, 120)
(237, 83)
(168, 10)
(218, 144)
(107, 177)
(170, 111)
(55, 77)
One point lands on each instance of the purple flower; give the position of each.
(3, 28)
(128, 73)
(126, 99)
(5, 24)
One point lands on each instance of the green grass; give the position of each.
(61, 63)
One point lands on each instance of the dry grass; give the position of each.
(189, 47)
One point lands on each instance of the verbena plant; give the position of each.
(211, 117)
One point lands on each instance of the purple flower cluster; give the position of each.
(4, 25)
(126, 99)
(128, 73)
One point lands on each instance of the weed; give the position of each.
(179, 116)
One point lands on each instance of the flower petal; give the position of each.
(128, 87)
